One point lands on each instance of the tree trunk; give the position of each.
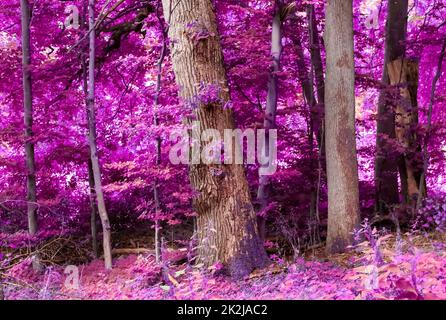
(106, 230)
(318, 68)
(269, 122)
(422, 186)
(28, 119)
(404, 74)
(31, 188)
(386, 164)
(226, 221)
(92, 193)
(158, 141)
(93, 210)
(306, 81)
(342, 166)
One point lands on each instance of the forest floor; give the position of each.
(410, 267)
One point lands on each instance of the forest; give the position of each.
(222, 149)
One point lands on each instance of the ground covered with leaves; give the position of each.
(409, 266)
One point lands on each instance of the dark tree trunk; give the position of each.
(158, 141)
(317, 66)
(386, 163)
(226, 221)
(340, 135)
(31, 187)
(31, 196)
(93, 210)
(315, 129)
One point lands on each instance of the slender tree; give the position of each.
(269, 122)
(386, 163)
(422, 186)
(31, 188)
(226, 222)
(158, 141)
(28, 118)
(92, 192)
(106, 229)
(342, 166)
(318, 71)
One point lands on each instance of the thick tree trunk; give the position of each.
(386, 163)
(31, 196)
(342, 166)
(106, 229)
(404, 74)
(269, 122)
(226, 222)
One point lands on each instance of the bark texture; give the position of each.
(318, 71)
(403, 74)
(31, 192)
(386, 163)
(342, 167)
(226, 222)
(106, 229)
(92, 192)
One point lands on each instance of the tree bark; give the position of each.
(403, 73)
(158, 141)
(92, 193)
(269, 122)
(31, 187)
(106, 229)
(31, 196)
(93, 210)
(342, 166)
(386, 164)
(318, 68)
(226, 221)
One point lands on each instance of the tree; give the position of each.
(269, 122)
(422, 182)
(342, 166)
(156, 193)
(92, 192)
(403, 75)
(386, 166)
(318, 71)
(31, 188)
(226, 221)
(28, 119)
(106, 229)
